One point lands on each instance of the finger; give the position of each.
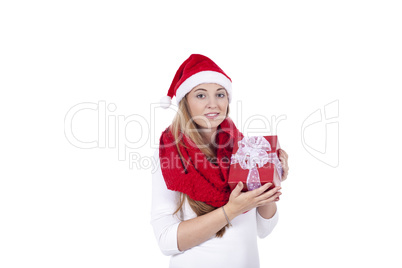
(260, 190)
(269, 194)
(284, 161)
(238, 188)
(285, 172)
(283, 153)
(285, 167)
(264, 187)
(284, 176)
(269, 200)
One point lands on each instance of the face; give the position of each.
(208, 104)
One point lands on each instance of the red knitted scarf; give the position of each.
(200, 179)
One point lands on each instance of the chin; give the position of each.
(214, 124)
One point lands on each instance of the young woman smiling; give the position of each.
(196, 219)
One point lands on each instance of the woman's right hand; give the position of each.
(241, 202)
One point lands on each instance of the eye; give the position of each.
(222, 95)
(198, 96)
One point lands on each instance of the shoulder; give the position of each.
(166, 134)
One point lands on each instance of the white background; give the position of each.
(65, 206)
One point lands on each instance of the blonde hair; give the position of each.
(183, 123)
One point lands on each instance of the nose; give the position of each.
(212, 103)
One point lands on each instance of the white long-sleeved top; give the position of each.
(236, 249)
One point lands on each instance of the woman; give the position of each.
(197, 220)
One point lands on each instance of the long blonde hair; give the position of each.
(183, 123)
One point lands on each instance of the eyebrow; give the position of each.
(206, 90)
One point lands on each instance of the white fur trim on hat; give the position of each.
(201, 78)
(165, 101)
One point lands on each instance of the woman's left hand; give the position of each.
(283, 157)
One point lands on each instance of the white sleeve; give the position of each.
(164, 203)
(265, 226)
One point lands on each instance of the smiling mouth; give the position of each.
(212, 115)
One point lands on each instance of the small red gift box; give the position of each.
(255, 162)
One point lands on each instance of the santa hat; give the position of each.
(196, 70)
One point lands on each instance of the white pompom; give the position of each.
(165, 102)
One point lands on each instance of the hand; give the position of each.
(283, 158)
(241, 202)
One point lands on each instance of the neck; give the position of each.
(209, 136)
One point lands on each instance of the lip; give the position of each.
(211, 117)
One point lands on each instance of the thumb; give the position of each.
(238, 188)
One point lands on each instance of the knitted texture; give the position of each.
(200, 179)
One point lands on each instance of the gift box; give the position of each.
(255, 162)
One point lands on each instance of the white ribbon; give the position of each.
(252, 152)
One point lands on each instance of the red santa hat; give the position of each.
(196, 70)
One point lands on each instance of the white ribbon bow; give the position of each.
(252, 152)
